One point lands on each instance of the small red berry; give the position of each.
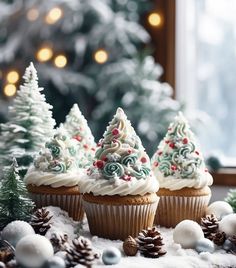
(143, 160)
(173, 167)
(129, 151)
(85, 146)
(155, 164)
(78, 138)
(172, 145)
(167, 142)
(159, 153)
(196, 152)
(185, 141)
(115, 131)
(100, 164)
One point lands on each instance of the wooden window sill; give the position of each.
(225, 176)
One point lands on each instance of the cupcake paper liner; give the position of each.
(70, 203)
(174, 209)
(119, 221)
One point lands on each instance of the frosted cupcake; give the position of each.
(120, 192)
(54, 178)
(77, 128)
(179, 167)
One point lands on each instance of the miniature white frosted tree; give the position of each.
(30, 123)
(77, 128)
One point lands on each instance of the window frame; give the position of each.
(166, 44)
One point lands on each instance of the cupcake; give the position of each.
(120, 191)
(183, 178)
(77, 128)
(54, 177)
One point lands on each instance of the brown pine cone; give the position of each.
(209, 225)
(130, 246)
(59, 242)
(219, 238)
(6, 255)
(81, 252)
(40, 221)
(150, 243)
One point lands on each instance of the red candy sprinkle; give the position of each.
(185, 141)
(129, 151)
(155, 164)
(167, 142)
(143, 160)
(173, 167)
(85, 146)
(78, 138)
(159, 153)
(115, 131)
(196, 152)
(93, 149)
(100, 164)
(126, 178)
(172, 145)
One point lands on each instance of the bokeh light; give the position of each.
(101, 56)
(53, 15)
(154, 19)
(9, 90)
(44, 54)
(13, 77)
(60, 61)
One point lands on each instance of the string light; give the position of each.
(54, 15)
(44, 54)
(9, 90)
(60, 61)
(101, 56)
(13, 77)
(32, 14)
(154, 19)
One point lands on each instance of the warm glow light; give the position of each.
(32, 14)
(12, 77)
(101, 56)
(60, 61)
(54, 15)
(154, 19)
(44, 54)
(9, 90)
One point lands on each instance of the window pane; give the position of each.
(206, 70)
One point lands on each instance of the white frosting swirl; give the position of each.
(98, 186)
(172, 183)
(40, 178)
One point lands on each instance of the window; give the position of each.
(206, 70)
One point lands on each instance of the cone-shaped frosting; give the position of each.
(55, 164)
(178, 162)
(78, 129)
(121, 164)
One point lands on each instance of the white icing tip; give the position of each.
(120, 112)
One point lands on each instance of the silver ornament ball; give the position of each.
(55, 262)
(111, 256)
(205, 245)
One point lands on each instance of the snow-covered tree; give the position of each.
(30, 123)
(15, 203)
(118, 76)
(77, 128)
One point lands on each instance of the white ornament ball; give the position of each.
(187, 233)
(111, 256)
(228, 224)
(33, 251)
(219, 209)
(16, 230)
(56, 262)
(205, 245)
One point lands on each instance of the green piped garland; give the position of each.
(177, 154)
(58, 155)
(120, 153)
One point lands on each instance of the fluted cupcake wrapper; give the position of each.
(119, 221)
(70, 203)
(174, 209)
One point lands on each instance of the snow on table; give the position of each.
(176, 256)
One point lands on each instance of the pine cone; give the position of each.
(6, 255)
(150, 243)
(81, 252)
(40, 221)
(219, 238)
(59, 242)
(130, 246)
(209, 226)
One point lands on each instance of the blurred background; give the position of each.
(151, 57)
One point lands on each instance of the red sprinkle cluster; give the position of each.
(99, 164)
